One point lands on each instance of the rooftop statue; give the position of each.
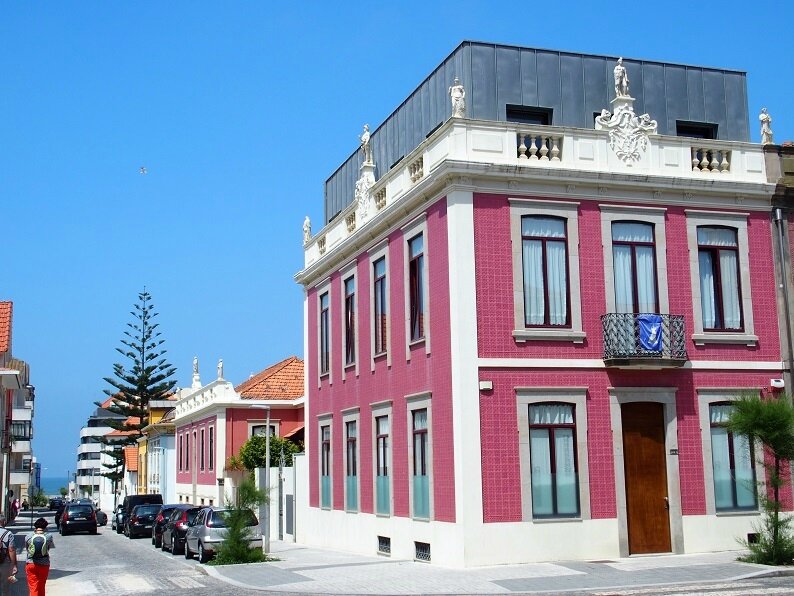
(365, 145)
(766, 129)
(621, 80)
(458, 96)
(307, 230)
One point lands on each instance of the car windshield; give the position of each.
(146, 509)
(80, 509)
(191, 514)
(219, 518)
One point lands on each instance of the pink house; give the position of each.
(524, 336)
(213, 421)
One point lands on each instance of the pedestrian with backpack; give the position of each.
(38, 546)
(8, 558)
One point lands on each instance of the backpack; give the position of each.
(37, 547)
(4, 545)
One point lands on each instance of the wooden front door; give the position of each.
(646, 477)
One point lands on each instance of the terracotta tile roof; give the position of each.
(106, 404)
(125, 433)
(280, 381)
(5, 326)
(131, 459)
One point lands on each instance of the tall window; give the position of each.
(181, 454)
(195, 442)
(187, 450)
(201, 451)
(212, 448)
(351, 466)
(382, 430)
(732, 460)
(634, 261)
(325, 340)
(381, 308)
(416, 265)
(421, 479)
(261, 429)
(720, 291)
(545, 266)
(552, 453)
(350, 320)
(325, 466)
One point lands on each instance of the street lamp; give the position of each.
(266, 512)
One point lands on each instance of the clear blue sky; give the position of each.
(240, 111)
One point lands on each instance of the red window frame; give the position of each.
(732, 462)
(382, 448)
(719, 306)
(325, 340)
(350, 450)
(544, 240)
(350, 320)
(416, 285)
(325, 451)
(212, 448)
(633, 247)
(201, 451)
(380, 309)
(420, 445)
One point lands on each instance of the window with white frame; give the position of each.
(420, 455)
(351, 464)
(325, 339)
(719, 260)
(349, 285)
(181, 453)
(201, 451)
(382, 464)
(325, 466)
(187, 450)
(732, 462)
(546, 286)
(380, 312)
(635, 268)
(416, 283)
(552, 442)
(212, 448)
(261, 429)
(552, 448)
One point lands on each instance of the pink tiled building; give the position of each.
(523, 336)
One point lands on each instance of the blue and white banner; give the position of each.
(650, 332)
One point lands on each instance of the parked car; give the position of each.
(115, 523)
(207, 531)
(161, 519)
(78, 517)
(174, 530)
(101, 517)
(141, 520)
(59, 513)
(131, 501)
(55, 503)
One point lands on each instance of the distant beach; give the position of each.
(52, 486)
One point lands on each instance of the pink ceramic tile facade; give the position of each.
(500, 456)
(189, 461)
(424, 372)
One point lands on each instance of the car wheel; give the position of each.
(188, 554)
(93, 531)
(176, 549)
(203, 557)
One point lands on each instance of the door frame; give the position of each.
(665, 396)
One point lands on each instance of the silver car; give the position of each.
(208, 529)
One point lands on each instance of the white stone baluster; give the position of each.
(533, 148)
(704, 159)
(544, 149)
(522, 148)
(725, 165)
(695, 160)
(555, 150)
(715, 163)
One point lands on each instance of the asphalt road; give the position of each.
(110, 563)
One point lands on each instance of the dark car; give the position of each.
(141, 520)
(129, 503)
(78, 517)
(161, 520)
(175, 527)
(59, 513)
(116, 518)
(101, 517)
(55, 503)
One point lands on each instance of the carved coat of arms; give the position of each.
(628, 133)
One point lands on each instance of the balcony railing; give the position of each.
(644, 339)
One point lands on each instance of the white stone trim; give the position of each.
(350, 270)
(583, 363)
(375, 253)
(275, 422)
(351, 415)
(322, 289)
(568, 211)
(694, 219)
(665, 396)
(414, 228)
(420, 402)
(526, 396)
(651, 215)
(706, 397)
(383, 408)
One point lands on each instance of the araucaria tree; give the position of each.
(146, 376)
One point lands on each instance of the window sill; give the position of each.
(523, 335)
(738, 513)
(416, 342)
(350, 366)
(380, 356)
(725, 338)
(557, 520)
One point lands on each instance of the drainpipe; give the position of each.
(787, 308)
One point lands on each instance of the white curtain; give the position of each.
(551, 414)
(553, 272)
(624, 269)
(646, 279)
(542, 503)
(707, 296)
(743, 476)
(567, 501)
(720, 461)
(624, 288)
(729, 280)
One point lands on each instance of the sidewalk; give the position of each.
(311, 570)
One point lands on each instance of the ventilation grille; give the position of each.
(384, 545)
(422, 551)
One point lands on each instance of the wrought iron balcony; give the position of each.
(645, 339)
